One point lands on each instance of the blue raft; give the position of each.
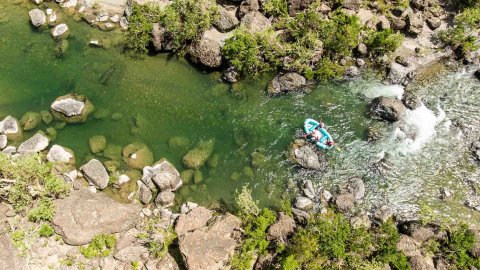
(310, 126)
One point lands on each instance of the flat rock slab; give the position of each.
(83, 215)
(195, 219)
(95, 172)
(35, 144)
(9, 255)
(210, 247)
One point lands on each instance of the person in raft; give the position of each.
(317, 134)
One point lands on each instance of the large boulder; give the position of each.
(345, 202)
(208, 247)
(287, 82)
(35, 144)
(162, 175)
(356, 187)
(30, 120)
(305, 156)
(198, 156)
(160, 38)
(352, 4)
(415, 23)
(37, 17)
(60, 31)
(387, 108)
(192, 220)
(60, 154)
(165, 198)
(83, 215)
(255, 22)
(137, 155)
(399, 74)
(72, 108)
(11, 128)
(281, 229)
(295, 6)
(208, 50)
(95, 172)
(228, 20)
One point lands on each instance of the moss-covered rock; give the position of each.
(11, 128)
(198, 177)
(72, 108)
(112, 165)
(179, 144)
(187, 176)
(97, 143)
(248, 172)
(258, 159)
(197, 157)
(30, 120)
(113, 152)
(47, 117)
(213, 161)
(235, 176)
(101, 113)
(51, 133)
(137, 155)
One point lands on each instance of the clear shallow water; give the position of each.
(175, 99)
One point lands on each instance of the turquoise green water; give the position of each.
(172, 98)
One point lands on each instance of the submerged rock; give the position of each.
(83, 215)
(11, 128)
(47, 117)
(72, 108)
(95, 172)
(30, 120)
(60, 31)
(137, 155)
(387, 108)
(35, 144)
(198, 156)
(60, 154)
(287, 82)
(37, 17)
(179, 144)
(97, 143)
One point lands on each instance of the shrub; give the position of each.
(462, 36)
(457, 246)
(100, 246)
(45, 230)
(277, 8)
(186, 20)
(159, 249)
(18, 239)
(386, 238)
(43, 212)
(383, 42)
(140, 27)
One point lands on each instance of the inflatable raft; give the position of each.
(325, 141)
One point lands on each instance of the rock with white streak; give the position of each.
(60, 31)
(60, 154)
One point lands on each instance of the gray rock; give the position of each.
(10, 127)
(9, 150)
(207, 51)
(166, 263)
(37, 17)
(303, 203)
(434, 23)
(95, 172)
(132, 253)
(35, 144)
(162, 175)
(356, 187)
(287, 82)
(415, 23)
(159, 37)
(60, 31)
(145, 194)
(383, 214)
(352, 72)
(386, 108)
(230, 75)
(210, 247)
(194, 219)
(72, 108)
(228, 20)
(397, 73)
(165, 199)
(362, 49)
(248, 6)
(281, 229)
(418, 262)
(59, 154)
(402, 60)
(300, 215)
(10, 257)
(345, 202)
(307, 158)
(408, 246)
(446, 193)
(83, 215)
(352, 4)
(255, 22)
(3, 141)
(360, 62)
(295, 6)
(411, 100)
(383, 23)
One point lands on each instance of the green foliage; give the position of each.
(160, 249)
(255, 223)
(30, 173)
(286, 207)
(277, 8)
(135, 265)
(468, 3)
(140, 27)
(462, 36)
(290, 263)
(18, 239)
(383, 42)
(100, 246)
(45, 230)
(186, 20)
(252, 54)
(44, 211)
(386, 238)
(456, 248)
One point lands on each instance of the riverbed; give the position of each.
(161, 96)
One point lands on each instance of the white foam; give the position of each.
(418, 127)
(384, 90)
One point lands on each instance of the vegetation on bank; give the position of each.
(329, 241)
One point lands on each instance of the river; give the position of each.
(427, 150)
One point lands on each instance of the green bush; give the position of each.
(160, 249)
(140, 27)
(186, 20)
(462, 36)
(100, 246)
(457, 246)
(30, 172)
(43, 212)
(45, 230)
(277, 8)
(383, 42)
(386, 238)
